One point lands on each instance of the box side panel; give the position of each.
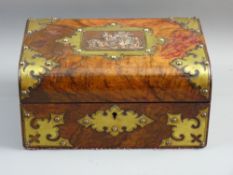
(115, 125)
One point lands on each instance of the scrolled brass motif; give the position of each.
(32, 66)
(187, 132)
(116, 41)
(114, 121)
(188, 23)
(43, 132)
(38, 24)
(195, 66)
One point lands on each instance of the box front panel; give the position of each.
(115, 125)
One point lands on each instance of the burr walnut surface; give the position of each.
(114, 83)
(162, 130)
(172, 68)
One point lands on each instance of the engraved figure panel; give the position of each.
(112, 40)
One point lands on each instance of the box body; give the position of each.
(114, 83)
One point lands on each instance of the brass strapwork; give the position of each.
(187, 132)
(113, 41)
(32, 67)
(195, 67)
(39, 24)
(43, 132)
(115, 121)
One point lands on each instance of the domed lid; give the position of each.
(114, 60)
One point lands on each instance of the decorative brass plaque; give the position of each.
(188, 23)
(32, 66)
(43, 132)
(39, 24)
(195, 66)
(188, 132)
(114, 121)
(113, 41)
(109, 40)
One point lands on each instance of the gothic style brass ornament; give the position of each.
(187, 132)
(115, 121)
(195, 66)
(38, 24)
(43, 132)
(113, 41)
(188, 23)
(32, 66)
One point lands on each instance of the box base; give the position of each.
(115, 125)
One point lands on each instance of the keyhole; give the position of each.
(114, 115)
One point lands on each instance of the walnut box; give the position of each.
(114, 83)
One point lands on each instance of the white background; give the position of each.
(216, 159)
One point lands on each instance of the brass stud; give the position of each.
(54, 18)
(142, 120)
(25, 47)
(27, 144)
(114, 57)
(48, 63)
(148, 50)
(22, 63)
(172, 18)
(63, 143)
(57, 119)
(162, 40)
(79, 50)
(39, 80)
(27, 114)
(168, 142)
(24, 92)
(65, 40)
(179, 63)
(204, 114)
(80, 30)
(114, 129)
(173, 120)
(86, 121)
(203, 143)
(204, 91)
(201, 45)
(206, 63)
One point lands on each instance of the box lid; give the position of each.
(114, 60)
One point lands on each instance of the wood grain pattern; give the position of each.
(149, 136)
(130, 79)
